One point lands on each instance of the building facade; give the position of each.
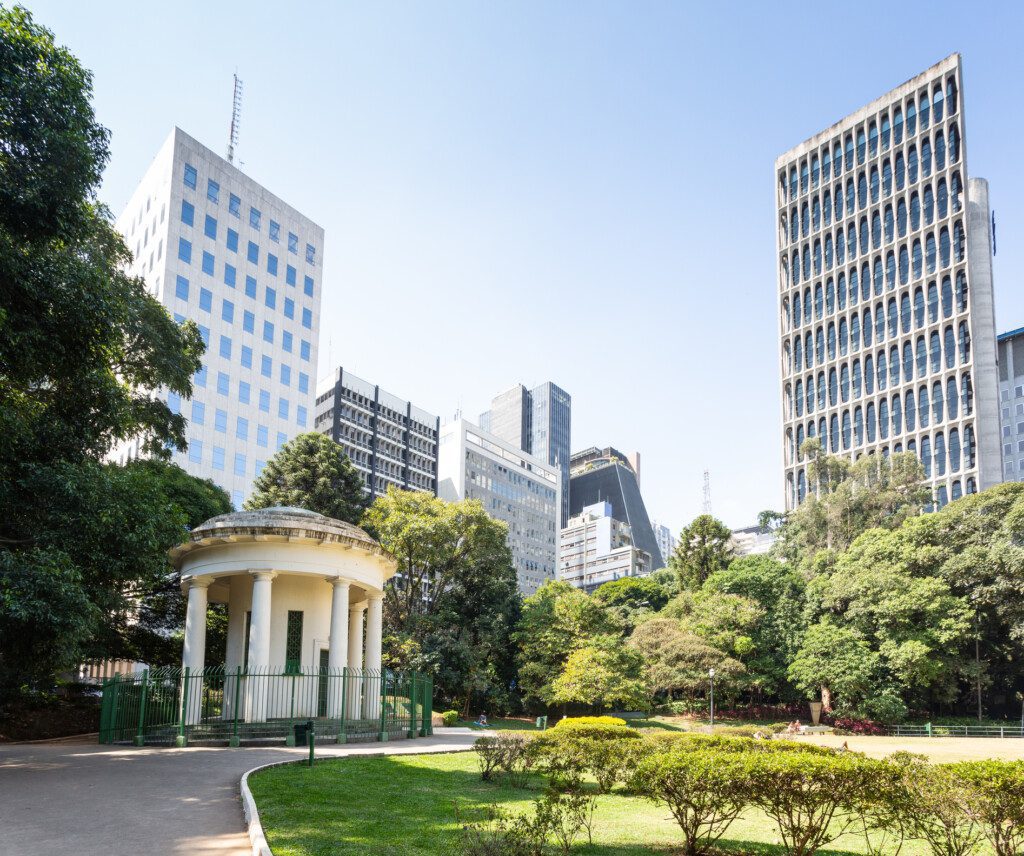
(523, 491)
(596, 549)
(390, 441)
(219, 249)
(1011, 403)
(538, 421)
(666, 540)
(752, 541)
(886, 316)
(606, 475)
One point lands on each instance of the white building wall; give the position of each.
(265, 322)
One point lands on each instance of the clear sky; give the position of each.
(579, 191)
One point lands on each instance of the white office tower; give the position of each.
(596, 549)
(523, 491)
(887, 325)
(217, 248)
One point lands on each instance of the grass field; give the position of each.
(406, 804)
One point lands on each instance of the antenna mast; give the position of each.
(707, 492)
(236, 119)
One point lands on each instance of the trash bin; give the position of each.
(302, 731)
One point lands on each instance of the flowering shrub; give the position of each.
(857, 726)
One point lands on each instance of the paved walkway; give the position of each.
(122, 801)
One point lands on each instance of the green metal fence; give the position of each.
(173, 706)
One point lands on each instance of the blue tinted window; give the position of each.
(233, 240)
(282, 408)
(275, 231)
(181, 288)
(307, 286)
(220, 421)
(289, 275)
(190, 176)
(246, 357)
(264, 401)
(229, 275)
(207, 263)
(248, 321)
(286, 341)
(268, 331)
(244, 391)
(185, 250)
(300, 416)
(213, 191)
(234, 205)
(178, 318)
(205, 299)
(218, 458)
(174, 402)
(271, 264)
(242, 428)
(195, 451)
(188, 213)
(270, 298)
(304, 350)
(250, 286)
(262, 436)
(282, 438)
(259, 466)
(293, 243)
(198, 413)
(307, 319)
(223, 384)
(210, 229)
(266, 366)
(254, 253)
(286, 375)
(289, 308)
(225, 347)
(204, 332)
(254, 219)
(311, 254)
(239, 464)
(199, 378)
(303, 382)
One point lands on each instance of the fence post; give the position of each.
(428, 709)
(412, 705)
(342, 737)
(928, 728)
(382, 734)
(290, 739)
(234, 742)
(180, 741)
(140, 738)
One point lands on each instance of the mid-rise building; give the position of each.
(596, 549)
(666, 540)
(390, 441)
(607, 475)
(518, 488)
(752, 540)
(886, 316)
(217, 248)
(538, 421)
(1011, 403)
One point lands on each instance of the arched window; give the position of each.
(929, 205)
(915, 212)
(833, 388)
(954, 456)
(849, 152)
(867, 327)
(881, 368)
(869, 375)
(817, 302)
(922, 407)
(830, 296)
(840, 247)
(876, 275)
(826, 163)
(955, 190)
(888, 223)
(862, 191)
(798, 354)
(858, 426)
(808, 348)
(857, 380)
(837, 159)
(807, 305)
(901, 218)
(886, 177)
(900, 171)
(937, 103)
(972, 486)
(904, 265)
(890, 270)
(937, 400)
(805, 219)
(841, 287)
(969, 455)
(951, 95)
(837, 194)
(855, 331)
(909, 410)
(949, 346)
(961, 292)
(870, 420)
(863, 235)
(921, 357)
(851, 240)
(894, 366)
(944, 246)
(865, 282)
(926, 157)
(897, 415)
(817, 256)
(844, 383)
(966, 395)
(926, 455)
(801, 487)
(833, 433)
(923, 111)
(886, 131)
(819, 346)
(904, 310)
(861, 145)
(792, 182)
(958, 241)
(807, 261)
(846, 430)
(947, 297)
(816, 214)
(831, 335)
(826, 207)
(965, 342)
(951, 398)
(957, 489)
(794, 225)
(873, 139)
(875, 184)
(803, 177)
(883, 419)
(911, 118)
(897, 126)
(954, 143)
(908, 361)
(933, 303)
(850, 198)
(815, 171)
(942, 197)
(829, 254)
(912, 164)
(799, 398)
(809, 396)
(940, 150)
(929, 251)
(821, 395)
(918, 258)
(876, 230)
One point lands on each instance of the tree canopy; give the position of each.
(704, 548)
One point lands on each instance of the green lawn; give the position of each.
(406, 804)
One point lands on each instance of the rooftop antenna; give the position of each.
(707, 492)
(236, 119)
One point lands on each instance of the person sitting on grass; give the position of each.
(482, 721)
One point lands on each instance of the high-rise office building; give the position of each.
(1011, 403)
(886, 317)
(596, 549)
(219, 249)
(666, 540)
(390, 441)
(538, 421)
(518, 488)
(607, 475)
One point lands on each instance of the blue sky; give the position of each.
(579, 191)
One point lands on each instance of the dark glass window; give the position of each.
(293, 642)
(926, 158)
(873, 138)
(933, 303)
(923, 111)
(897, 415)
(886, 131)
(849, 152)
(886, 177)
(943, 246)
(888, 222)
(905, 272)
(951, 95)
(954, 143)
(929, 252)
(942, 198)
(900, 169)
(874, 184)
(897, 126)
(912, 164)
(949, 346)
(890, 270)
(815, 171)
(940, 150)
(901, 218)
(843, 337)
(876, 230)
(911, 118)
(862, 190)
(915, 212)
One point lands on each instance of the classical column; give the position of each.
(374, 633)
(337, 653)
(259, 683)
(355, 661)
(194, 654)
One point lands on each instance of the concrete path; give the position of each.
(121, 801)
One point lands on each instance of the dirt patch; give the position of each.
(34, 720)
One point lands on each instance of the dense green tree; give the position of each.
(602, 674)
(556, 621)
(454, 604)
(631, 598)
(704, 548)
(677, 661)
(312, 472)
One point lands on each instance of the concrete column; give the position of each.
(355, 661)
(374, 634)
(337, 655)
(259, 684)
(194, 654)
